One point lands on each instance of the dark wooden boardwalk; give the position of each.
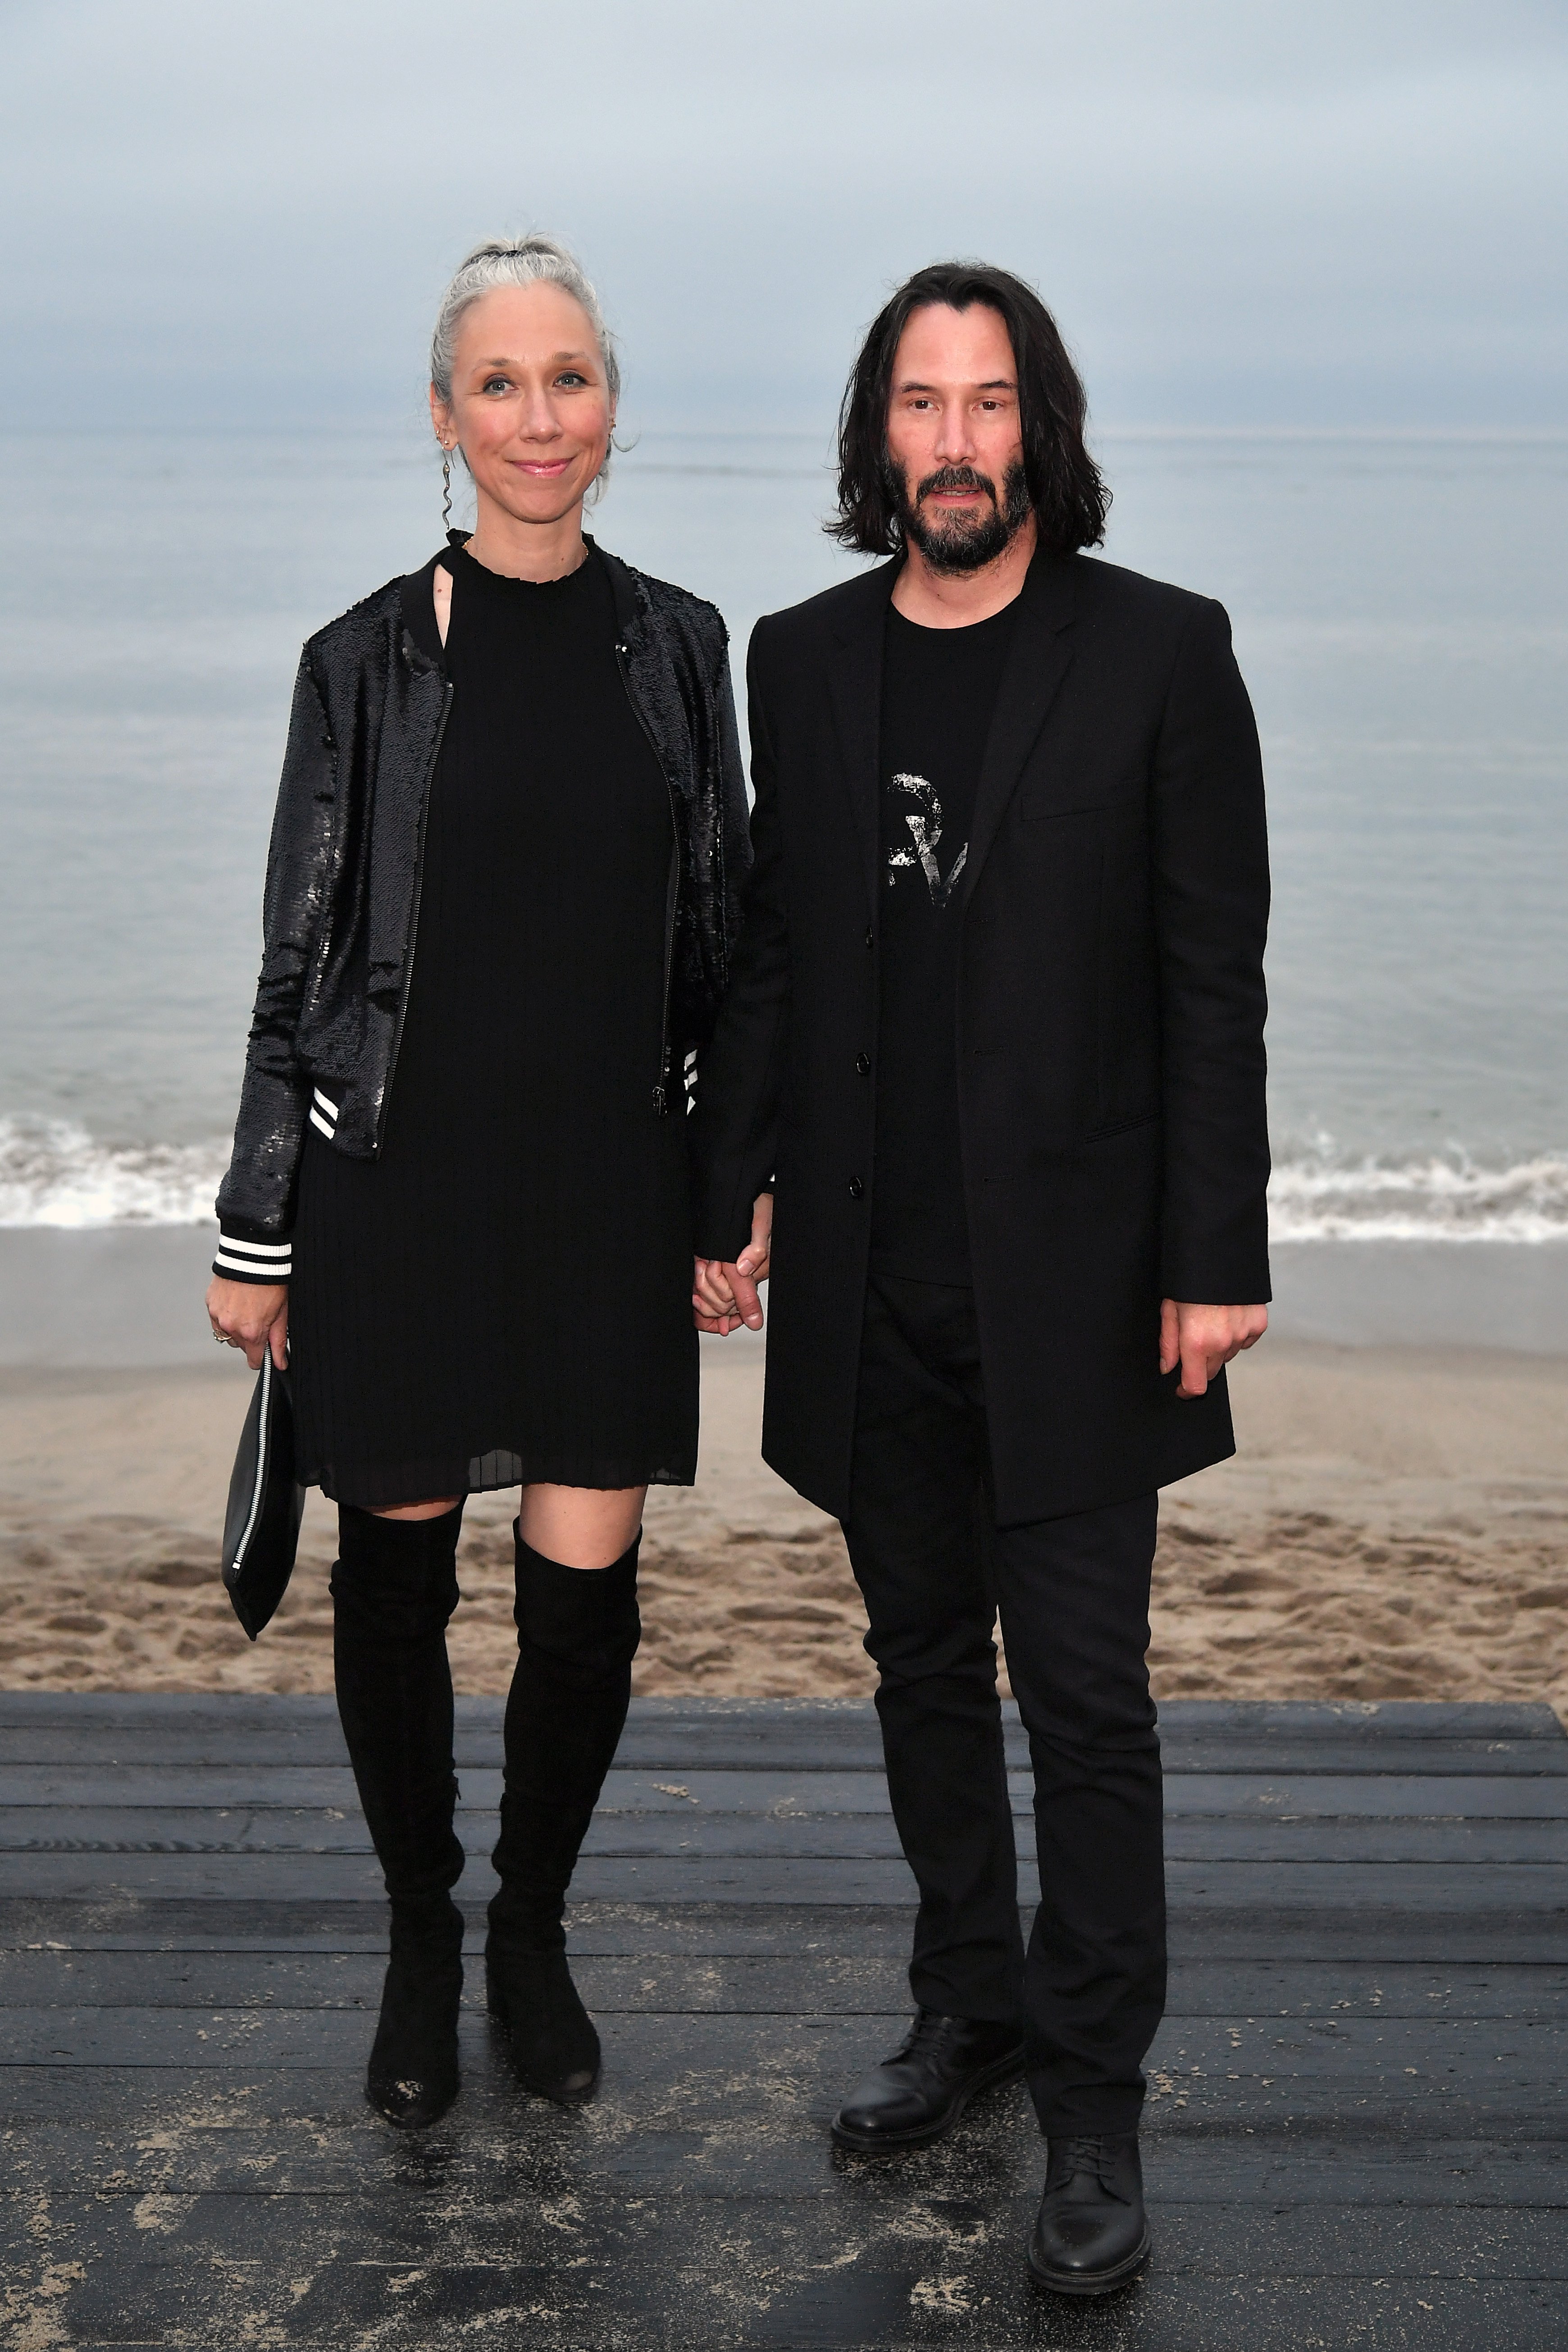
(1356, 2137)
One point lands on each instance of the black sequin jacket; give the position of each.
(342, 903)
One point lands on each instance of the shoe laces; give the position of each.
(1091, 2153)
(930, 2027)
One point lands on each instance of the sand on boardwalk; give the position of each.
(1395, 1527)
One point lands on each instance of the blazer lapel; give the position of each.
(1038, 661)
(855, 694)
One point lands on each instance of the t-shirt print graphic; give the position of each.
(924, 823)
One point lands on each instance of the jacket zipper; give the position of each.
(661, 1092)
(414, 918)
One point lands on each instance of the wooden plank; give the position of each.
(401, 2273)
(400, 2224)
(836, 1983)
(401, 2228)
(1379, 1719)
(495, 2144)
(1510, 2061)
(678, 1833)
(696, 2079)
(132, 1922)
(228, 1729)
(764, 2126)
(478, 1749)
(1394, 1841)
(1281, 1757)
(162, 1783)
(1371, 1795)
(1371, 1889)
(219, 1710)
(1380, 1796)
(1332, 1719)
(1244, 1934)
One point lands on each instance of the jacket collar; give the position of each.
(623, 587)
(1037, 660)
(417, 599)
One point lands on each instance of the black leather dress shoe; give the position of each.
(921, 2090)
(1092, 2232)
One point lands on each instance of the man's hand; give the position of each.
(724, 1295)
(1202, 1338)
(253, 1316)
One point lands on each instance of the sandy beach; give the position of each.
(1394, 1526)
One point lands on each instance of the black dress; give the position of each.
(504, 1294)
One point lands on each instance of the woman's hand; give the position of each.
(724, 1295)
(253, 1316)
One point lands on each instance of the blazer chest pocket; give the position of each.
(1052, 801)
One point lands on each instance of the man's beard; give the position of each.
(963, 544)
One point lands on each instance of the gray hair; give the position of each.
(516, 261)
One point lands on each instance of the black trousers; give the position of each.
(1073, 1594)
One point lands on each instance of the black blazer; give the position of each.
(1109, 1045)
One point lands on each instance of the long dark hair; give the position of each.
(1069, 493)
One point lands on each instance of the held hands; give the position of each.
(724, 1296)
(1202, 1338)
(253, 1316)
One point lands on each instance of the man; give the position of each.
(995, 1042)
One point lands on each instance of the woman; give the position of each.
(499, 901)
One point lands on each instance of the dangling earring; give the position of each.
(446, 487)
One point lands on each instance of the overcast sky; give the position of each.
(1262, 213)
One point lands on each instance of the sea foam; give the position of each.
(1322, 1195)
(53, 1173)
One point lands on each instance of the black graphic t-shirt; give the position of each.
(939, 689)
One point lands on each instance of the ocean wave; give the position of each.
(1326, 1196)
(53, 1173)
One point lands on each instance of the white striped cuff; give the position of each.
(324, 1114)
(253, 1261)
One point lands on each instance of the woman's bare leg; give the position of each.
(581, 1526)
(577, 1527)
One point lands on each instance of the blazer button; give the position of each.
(863, 1063)
(870, 937)
(856, 1188)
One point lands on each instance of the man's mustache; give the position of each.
(957, 477)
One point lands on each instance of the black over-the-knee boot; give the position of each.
(394, 1588)
(577, 1632)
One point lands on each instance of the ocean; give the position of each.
(1400, 604)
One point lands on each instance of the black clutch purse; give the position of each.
(261, 1530)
